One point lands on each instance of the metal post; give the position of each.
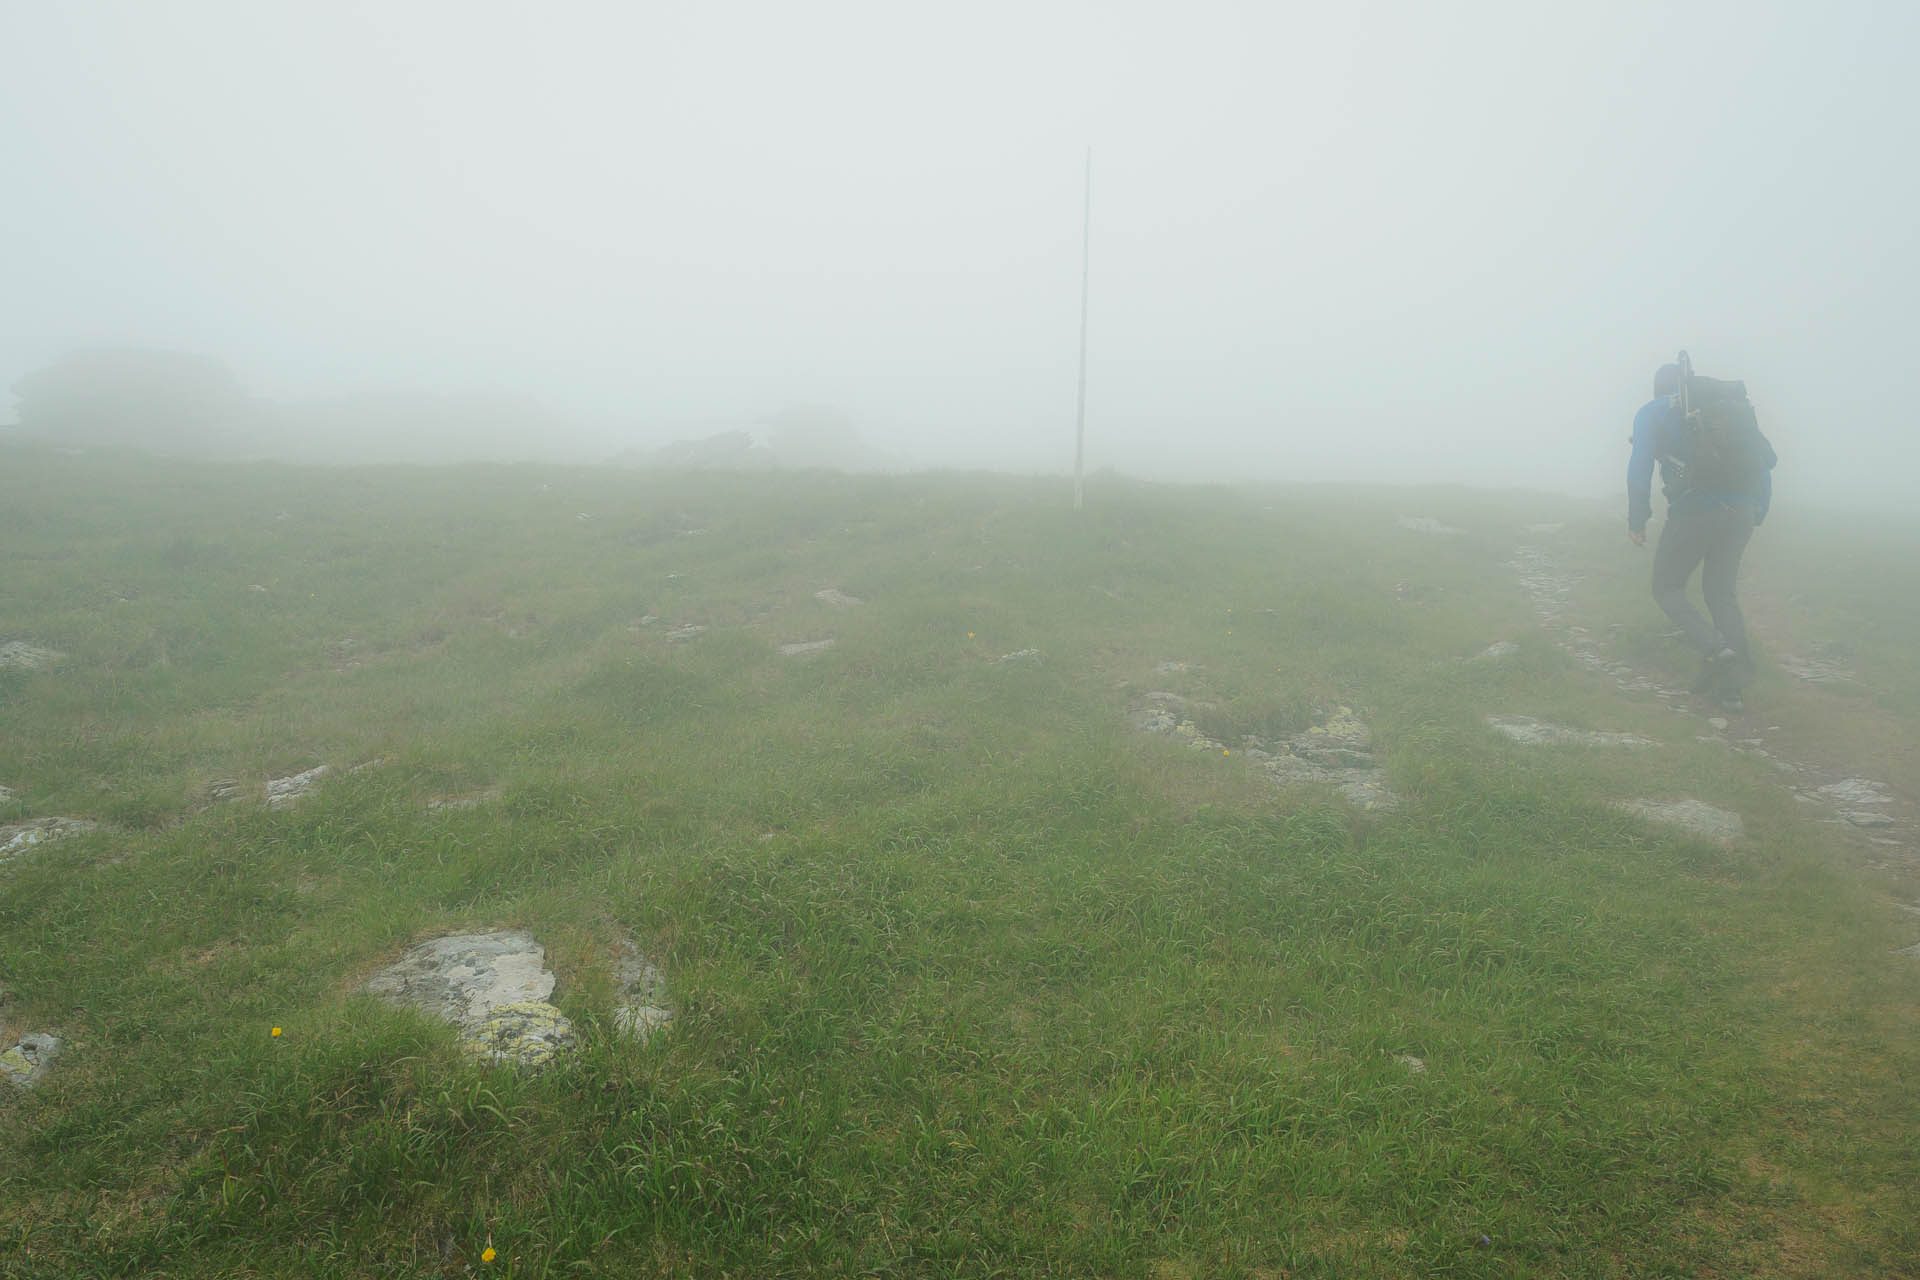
(1080, 419)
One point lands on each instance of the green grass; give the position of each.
(970, 980)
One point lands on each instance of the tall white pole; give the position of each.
(1080, 419)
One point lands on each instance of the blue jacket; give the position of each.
(1653, 431)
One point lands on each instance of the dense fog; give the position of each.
(1392, 242)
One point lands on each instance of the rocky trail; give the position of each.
(1877, 821)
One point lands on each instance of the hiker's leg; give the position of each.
(1682, 545)
(1731, 530)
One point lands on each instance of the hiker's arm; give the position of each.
(1640, 472)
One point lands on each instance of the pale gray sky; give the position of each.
(1400, 241)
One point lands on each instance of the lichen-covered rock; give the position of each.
(528, 1033)
(17, 837)
(1529, 732)
(464, 978)
(1338, 752)
(28, 1062)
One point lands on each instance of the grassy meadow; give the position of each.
(969, 977)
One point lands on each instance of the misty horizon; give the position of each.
(1383, 245)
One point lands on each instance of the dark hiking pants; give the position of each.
(1716, 536)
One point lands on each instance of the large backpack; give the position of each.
(1718, 447)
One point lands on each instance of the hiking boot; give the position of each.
(1714, 669)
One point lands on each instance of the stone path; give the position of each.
(1859, 804)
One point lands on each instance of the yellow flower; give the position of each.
(1225, 752)
(486, 1254)
(969, 635)
(274, 1032)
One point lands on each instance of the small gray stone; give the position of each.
(465, 799)
(1718, 722)
(1414, 1066)
(680, 635)
(17, 837)
(1497, 650)
(1693, 816)
(1427, 524)
(640, 1006)
(836, 597)
(28, 1062)
(1019, 657)
(805, 648)
(282, 792)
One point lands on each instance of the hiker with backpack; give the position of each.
(1716, 470)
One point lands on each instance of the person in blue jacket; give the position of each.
(1709, 527)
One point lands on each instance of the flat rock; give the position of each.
(1337, 752)
(1427, 524)
(27, 1063)
(224, 790)
(465, 799)
(1530, 732)
(282, 792)
(1693, 816)
(1868, 818)
(18, 653)
(680, 635)
(464, 977)
(1496, 651)
(1855, 791)
(640, 997)
(493, 987)
(17, 837)
(836, 597)
(805, 648)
